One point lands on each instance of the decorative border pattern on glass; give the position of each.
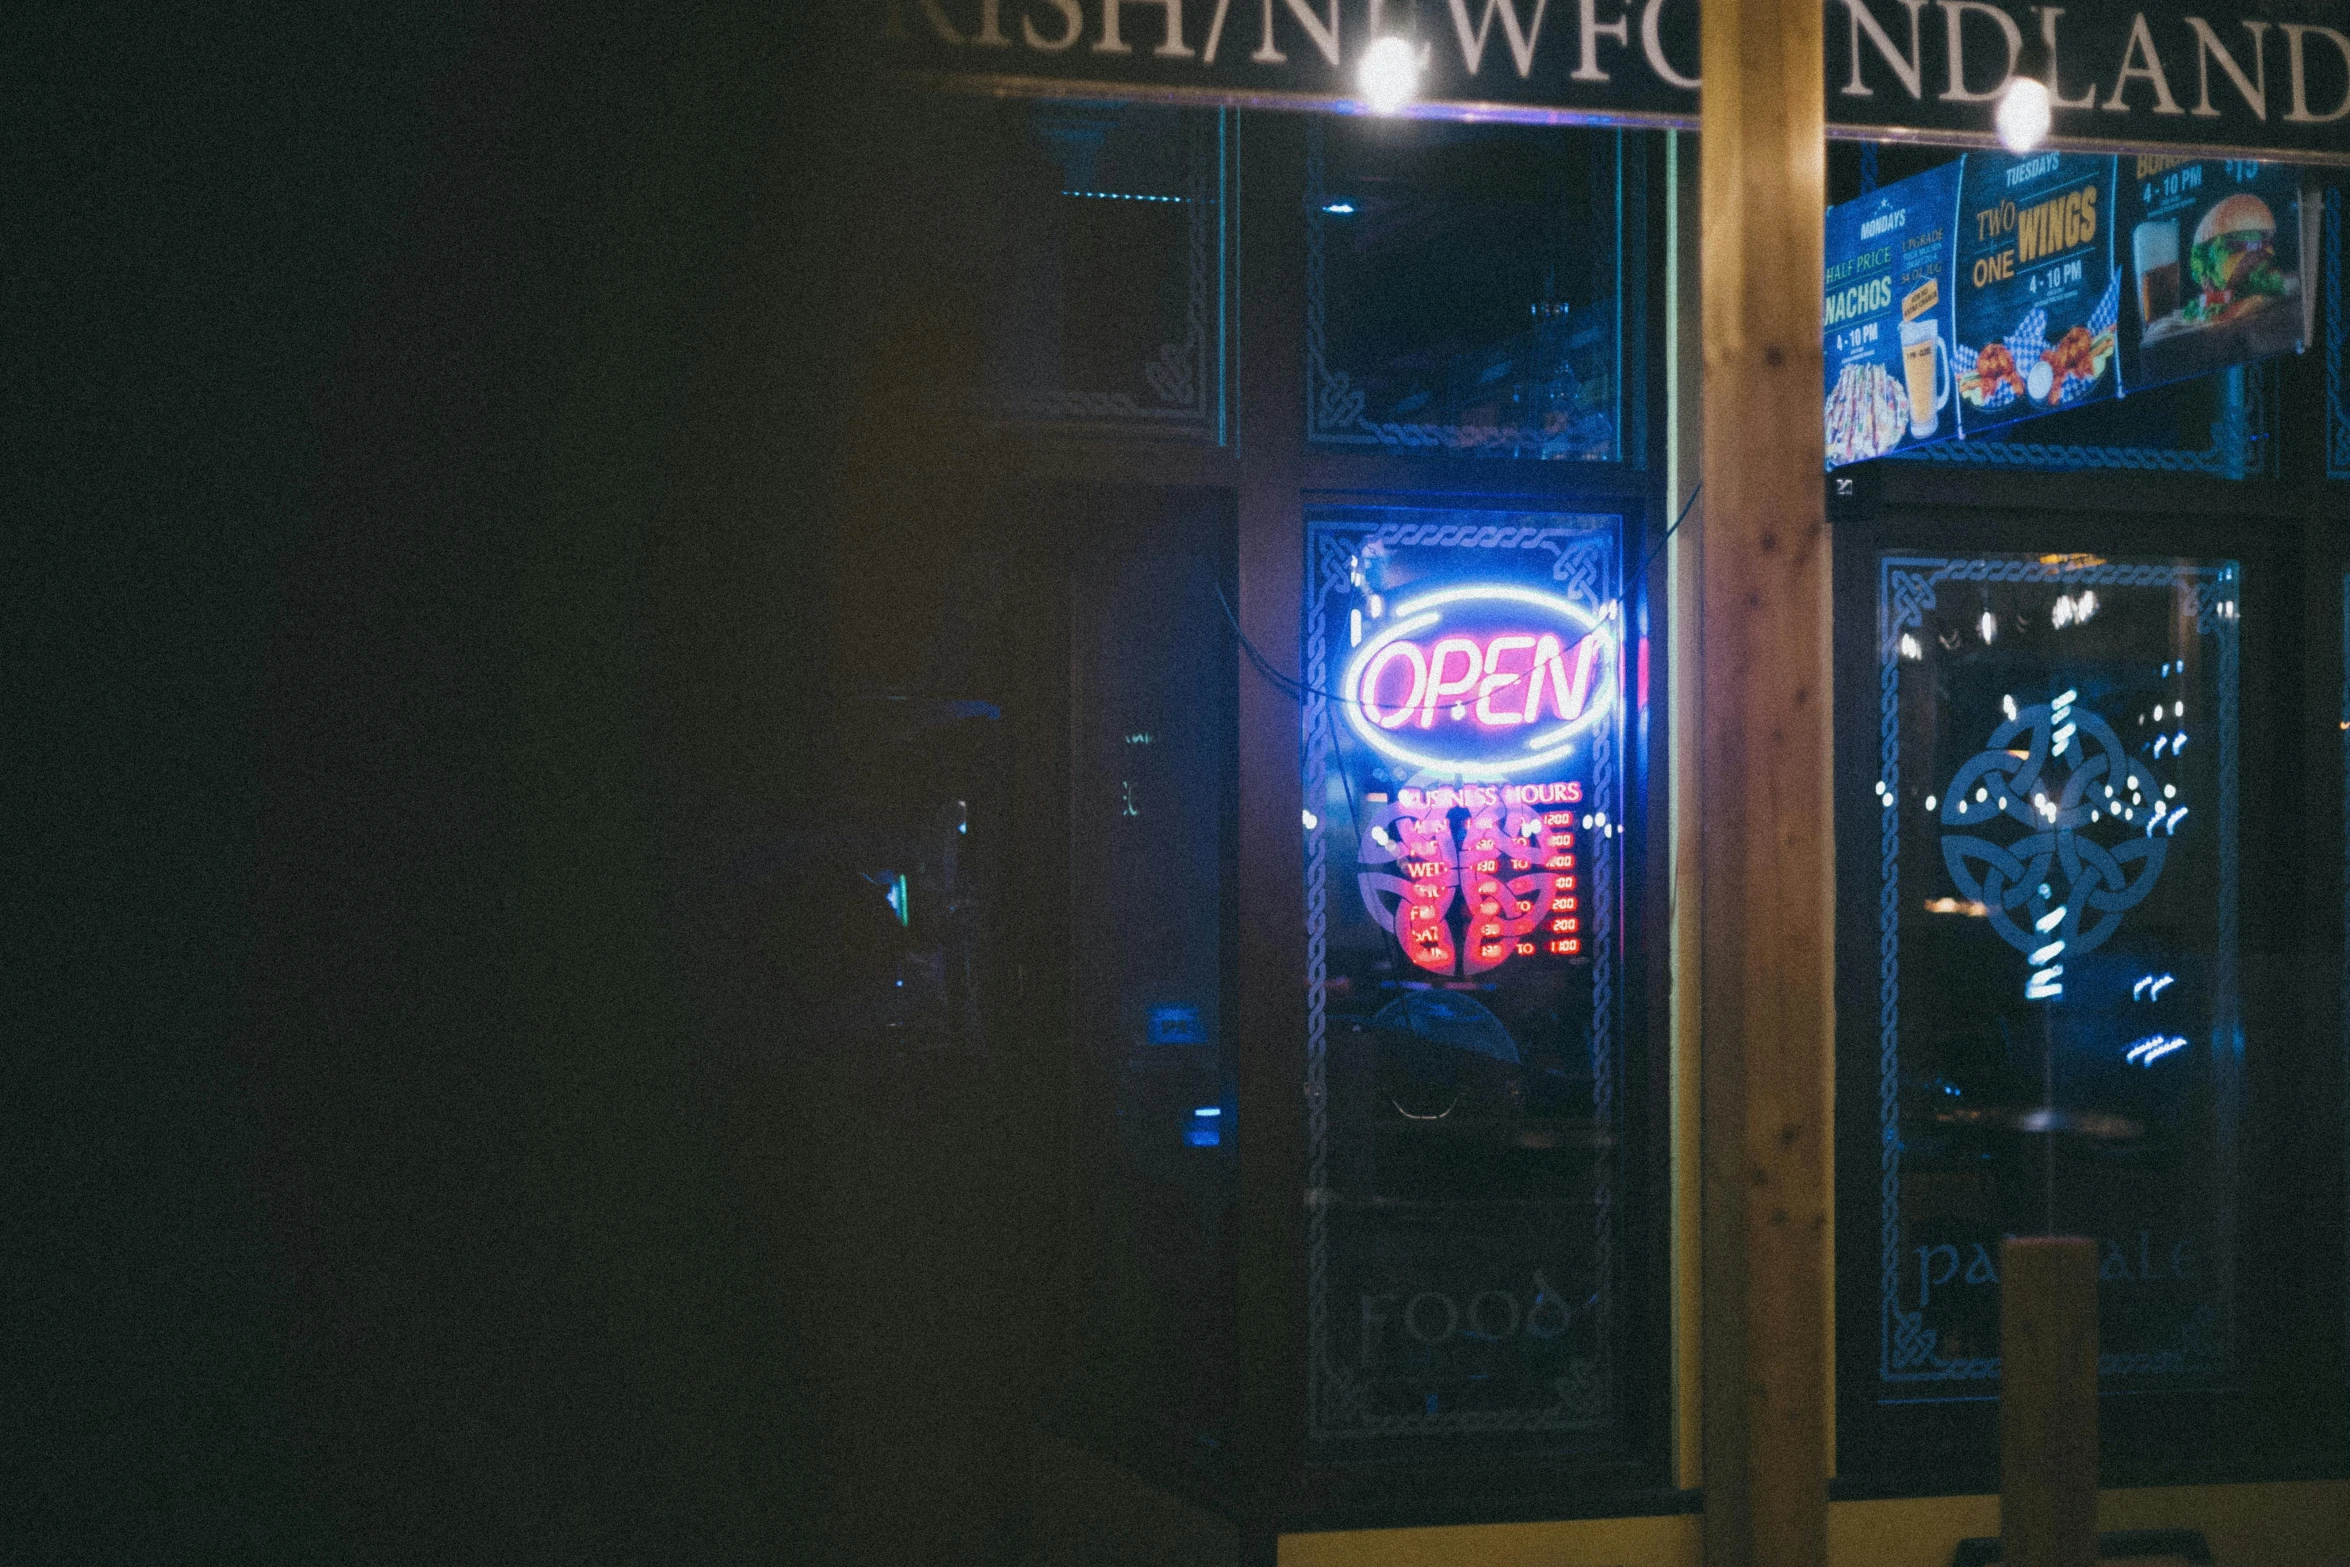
(1186, 379)
(1334, 402)
(1583, 550)
(2243, 441)
(1906, 588)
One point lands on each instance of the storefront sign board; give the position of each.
(2268, 77)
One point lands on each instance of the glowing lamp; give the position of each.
(2023, 114)
(2024, 111)
(1389, 75)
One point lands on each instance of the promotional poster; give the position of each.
(2037, 300)
(1886, 318)
(2212, 253)
(1998, 288)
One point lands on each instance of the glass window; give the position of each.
(1466, 286)
(1154, 878)
(2049, 917)
(1468, 828)
(1067, 265)
(2057, 900)
(1110, 231)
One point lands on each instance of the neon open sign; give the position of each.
(1486, 680)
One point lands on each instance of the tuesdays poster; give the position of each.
(2038, 298)
(1886, 316)
(2211, 253)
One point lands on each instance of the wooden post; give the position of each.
(2048, 1402)
(1767, 893)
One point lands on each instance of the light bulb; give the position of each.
(2023, 114)
(1389, 75)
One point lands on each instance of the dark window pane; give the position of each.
(1154, 830)
(1465, 289)
(1109, 231)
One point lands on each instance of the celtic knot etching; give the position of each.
(2057, 873)
(1913, 595)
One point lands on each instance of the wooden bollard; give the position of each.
(2048, 1402)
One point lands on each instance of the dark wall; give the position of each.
(437, 455)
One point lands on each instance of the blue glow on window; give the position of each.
(1121, 195)
(1177, 1026)
(2153, 1048)
(898, 901)
(1340, 208)
(1206, 1129)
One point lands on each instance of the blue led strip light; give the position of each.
(1583, 569)
(2333, 218)
(1907, 587)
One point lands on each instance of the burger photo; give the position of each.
(2233, 265)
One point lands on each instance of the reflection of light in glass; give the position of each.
(2045, 985)
(1312, 821)
(1929, 804)
(1206, 1128)
(1989, 627)
(2150, 987)
(2006, 703)
(2159, 742)
(2170, 791)
(1389, 75)
(2048, 922)
(2023, 114)
(2153, 1048)
(1338, 209)
(2087, 607)
(2178, 742)
(1910, 648)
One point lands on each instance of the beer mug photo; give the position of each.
(2154, 252)
(1925, 364)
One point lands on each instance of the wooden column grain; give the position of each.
(2048, 1401)
(1766, 890)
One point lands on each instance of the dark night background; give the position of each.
(421, 430)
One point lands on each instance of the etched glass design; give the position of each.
(2059, 1041)
(1465, 841)
(2221, 425)
(1465, 289)
(1109, 235)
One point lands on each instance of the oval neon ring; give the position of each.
(1571, 662)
